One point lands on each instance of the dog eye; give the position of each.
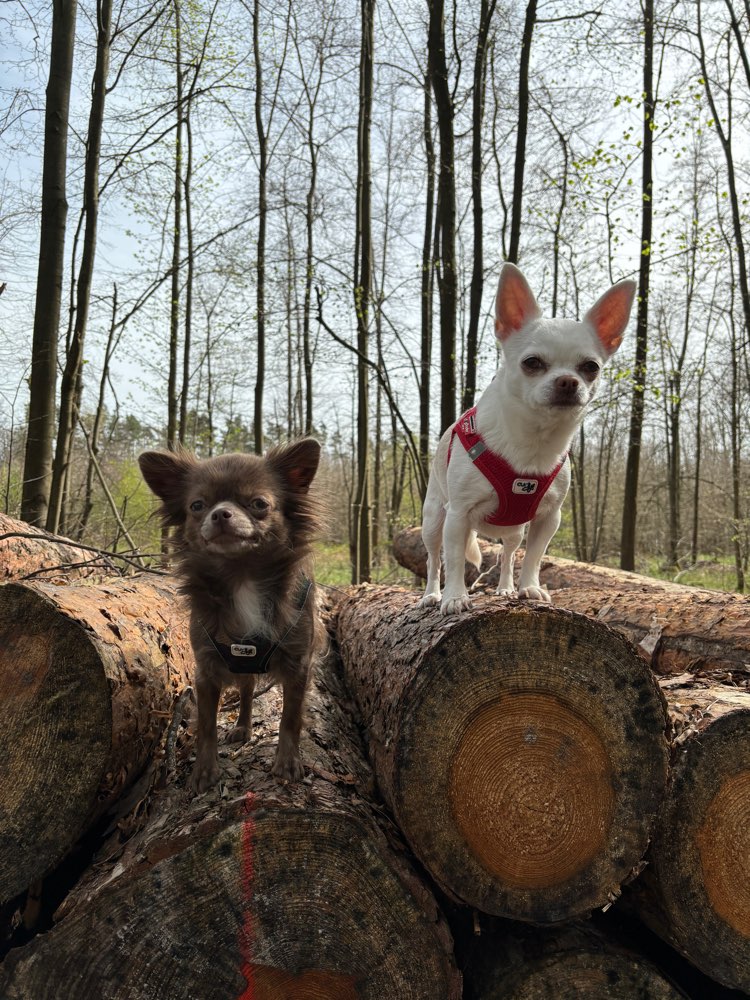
(533, 364)
(197, 506)
(259, 505)
(590, 368)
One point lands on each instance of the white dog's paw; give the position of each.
(429, 600)
(535, 594)
(509, 592)
(455, 605)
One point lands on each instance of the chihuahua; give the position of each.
(504, 463)
(244, 529)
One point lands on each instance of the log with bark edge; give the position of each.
(577, 962)
(88, 675)
(521, 749)
(695, 893)
(25, 550)
(255, 890)
(679, 628)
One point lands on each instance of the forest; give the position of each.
(227, 222)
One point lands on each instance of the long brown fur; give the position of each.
(265, 552)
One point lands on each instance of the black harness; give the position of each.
(252, 655)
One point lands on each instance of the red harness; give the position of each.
(518, 496)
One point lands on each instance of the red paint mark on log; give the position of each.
(247, 875)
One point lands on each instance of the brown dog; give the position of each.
(244, 529)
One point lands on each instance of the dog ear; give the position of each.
(609, 315)
(515, 304)
(165, 473)
(297, 463)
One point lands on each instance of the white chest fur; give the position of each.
(252, 610)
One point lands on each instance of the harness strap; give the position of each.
(252, 655)
(518, 494)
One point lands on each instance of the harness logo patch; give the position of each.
(237, 649)
(525, 486)
(469, 424)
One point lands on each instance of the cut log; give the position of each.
(25, 551)
(521, 749)
(576, 963)
(88, 675)
(255, 891)
(696, 892)
(681, 629)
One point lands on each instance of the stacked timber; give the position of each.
(522, 750)
(695, 889)
(256, 890)
(88, 675)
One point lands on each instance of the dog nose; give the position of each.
(566, 383)
(221, 512)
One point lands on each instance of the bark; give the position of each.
(680, 629)
(174, 303)
(45, 552)
(260, 346)
(426, 288)
(695, 893)
(300, 890)
(37, 468)
(578, 962)
(88, 675)
(522, 750)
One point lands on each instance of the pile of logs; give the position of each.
(476, 787)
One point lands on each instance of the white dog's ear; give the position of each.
(515, 304)
(610, 314)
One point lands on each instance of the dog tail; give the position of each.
(473, 553)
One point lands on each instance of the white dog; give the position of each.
(504, 463)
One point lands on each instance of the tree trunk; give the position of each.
(632, 465)
(522, 129)
(287, 891)
(260, 346)
(174, 303)
(426, 288)
(446, 212)
(37, 468)
(678, 628)
(72, 372)
(361, 568)
(578, 962)
(695, 893)
(522, 750)
(88, 675)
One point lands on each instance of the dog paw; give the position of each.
(239, 734)
(455, 605)
(429, 601)
(205, 774)
(288, 767)
(535, 594)
(509, 592)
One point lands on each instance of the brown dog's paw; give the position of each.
(239, 734)
(288, 767)
(205, 774)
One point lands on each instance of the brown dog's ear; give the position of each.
(297, 463)
(609, 315)
(165, 473)
(515, 304)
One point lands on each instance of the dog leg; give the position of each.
(433, 519)
(241, 731)
(512, 538)
(205, 772)
(541, 531)
(287, 765)
(455, 535)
